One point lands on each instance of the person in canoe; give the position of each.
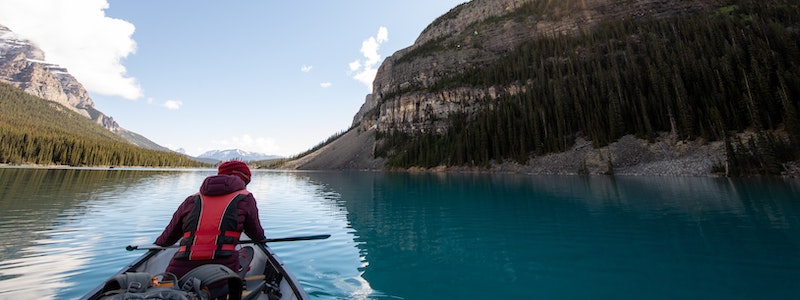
(209, 223)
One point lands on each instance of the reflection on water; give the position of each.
(61, 226)
(60, 194)
(428, 236)
(463, 235)
(294, 205)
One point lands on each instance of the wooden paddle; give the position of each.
(286, 239)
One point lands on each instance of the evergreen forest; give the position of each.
(704, 76)
(37, 131)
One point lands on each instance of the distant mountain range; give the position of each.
(215, 156)
(23, 65)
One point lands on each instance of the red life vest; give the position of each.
(211, 229)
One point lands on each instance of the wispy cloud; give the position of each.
(79, 36)
(306, 69)
(173, 104)
(325, 85)
(366, 69)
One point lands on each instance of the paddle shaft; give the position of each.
(286, 239)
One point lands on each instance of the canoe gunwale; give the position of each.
(95, 293)
(271, 262)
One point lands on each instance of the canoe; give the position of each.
(266, 278)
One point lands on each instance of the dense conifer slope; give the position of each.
(37, 131)
(703, 76)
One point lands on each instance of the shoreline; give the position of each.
(628, 156)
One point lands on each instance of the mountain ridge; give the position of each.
(433, 102)
(236, 154)
(23, 65)
(36, 131)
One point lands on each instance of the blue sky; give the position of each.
(263, 76)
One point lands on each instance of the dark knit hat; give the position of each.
(235, 167)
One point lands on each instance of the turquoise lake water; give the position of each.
(428, 236)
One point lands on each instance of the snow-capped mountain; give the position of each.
(224, 155)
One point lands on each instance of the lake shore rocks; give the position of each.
(629, 156)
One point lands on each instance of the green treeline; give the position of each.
(761, 154)
(703, 76)
(37, 131)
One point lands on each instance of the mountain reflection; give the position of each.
(469, 225)
(49, 222)
(36, 200)
(427, 236)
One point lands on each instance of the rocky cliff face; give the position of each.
(23, 65)
(470, 36)
(473, 35)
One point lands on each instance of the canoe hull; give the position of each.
(265, 275)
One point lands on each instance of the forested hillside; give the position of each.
(704, 76)
(37, 131)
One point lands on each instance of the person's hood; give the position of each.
(221, 184)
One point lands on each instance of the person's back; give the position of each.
(208, 224)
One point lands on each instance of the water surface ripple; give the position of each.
(428, 236)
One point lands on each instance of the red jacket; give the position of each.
(247, 211)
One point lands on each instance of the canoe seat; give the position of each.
(210, 281)
(210, 277)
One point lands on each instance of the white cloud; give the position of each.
(325, 85)
(367, 69)
(79, 36)
(355, 65)
(306, 69)
(366, 76)
(383, 34)
(173, 104)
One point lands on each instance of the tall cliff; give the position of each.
(23, 65)
(470, 37)
(654, 87)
